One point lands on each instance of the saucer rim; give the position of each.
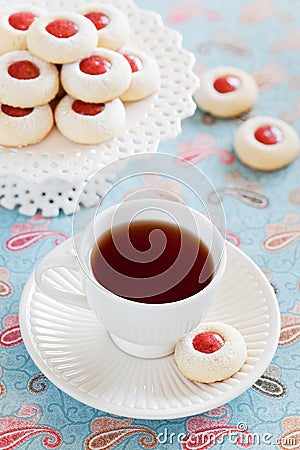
(156, 414)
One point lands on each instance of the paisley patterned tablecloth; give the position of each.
(263, 219)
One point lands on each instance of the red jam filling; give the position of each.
(269, 135)
(21, 20)
(135, 62)
(23, 70)
(99, 19)
(62, 28)
(15, 111)
(227, 84)
(87, 109)
(208, 342)
(95, 65)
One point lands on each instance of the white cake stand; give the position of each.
(45, 177)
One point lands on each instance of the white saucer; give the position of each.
(72, 349)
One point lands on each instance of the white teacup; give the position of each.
(140, 329)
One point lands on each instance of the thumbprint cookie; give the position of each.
(27, 81)
(89, 123)
(226, 92)
(14, 25)
(111, 24)
(266, 143)
(24, 126)
(99, 78)
(62, 37)
(145, 75)
(213, 351)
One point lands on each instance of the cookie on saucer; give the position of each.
(89, 123)
(111, 24)
(101, 77)
(27, 81)
(213, 351)
(62, 38)
(14, 25)
(266, 143)
(145, 75)
(24, 126)
(226, 92)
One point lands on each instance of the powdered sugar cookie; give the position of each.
(266, 143)
(27, 81)
(14, 24)
(62, 37)
(89, 123)
(111, 24)
(226, 92)
(24, 126)
(99, 78)
(145, 75)
(213, 351)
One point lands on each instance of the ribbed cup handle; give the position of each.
(69, 262)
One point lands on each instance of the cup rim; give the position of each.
(218, 270)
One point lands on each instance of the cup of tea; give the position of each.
(150, 269)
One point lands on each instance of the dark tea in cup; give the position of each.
(166, 258)
(151, 262)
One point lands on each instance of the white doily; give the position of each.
(45, 176)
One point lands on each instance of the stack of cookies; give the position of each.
(76, 61)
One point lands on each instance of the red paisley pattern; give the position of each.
(205, 431)
(25, 235)
(10, 336)
(202, 147)
(16, 430)
(233, 238)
